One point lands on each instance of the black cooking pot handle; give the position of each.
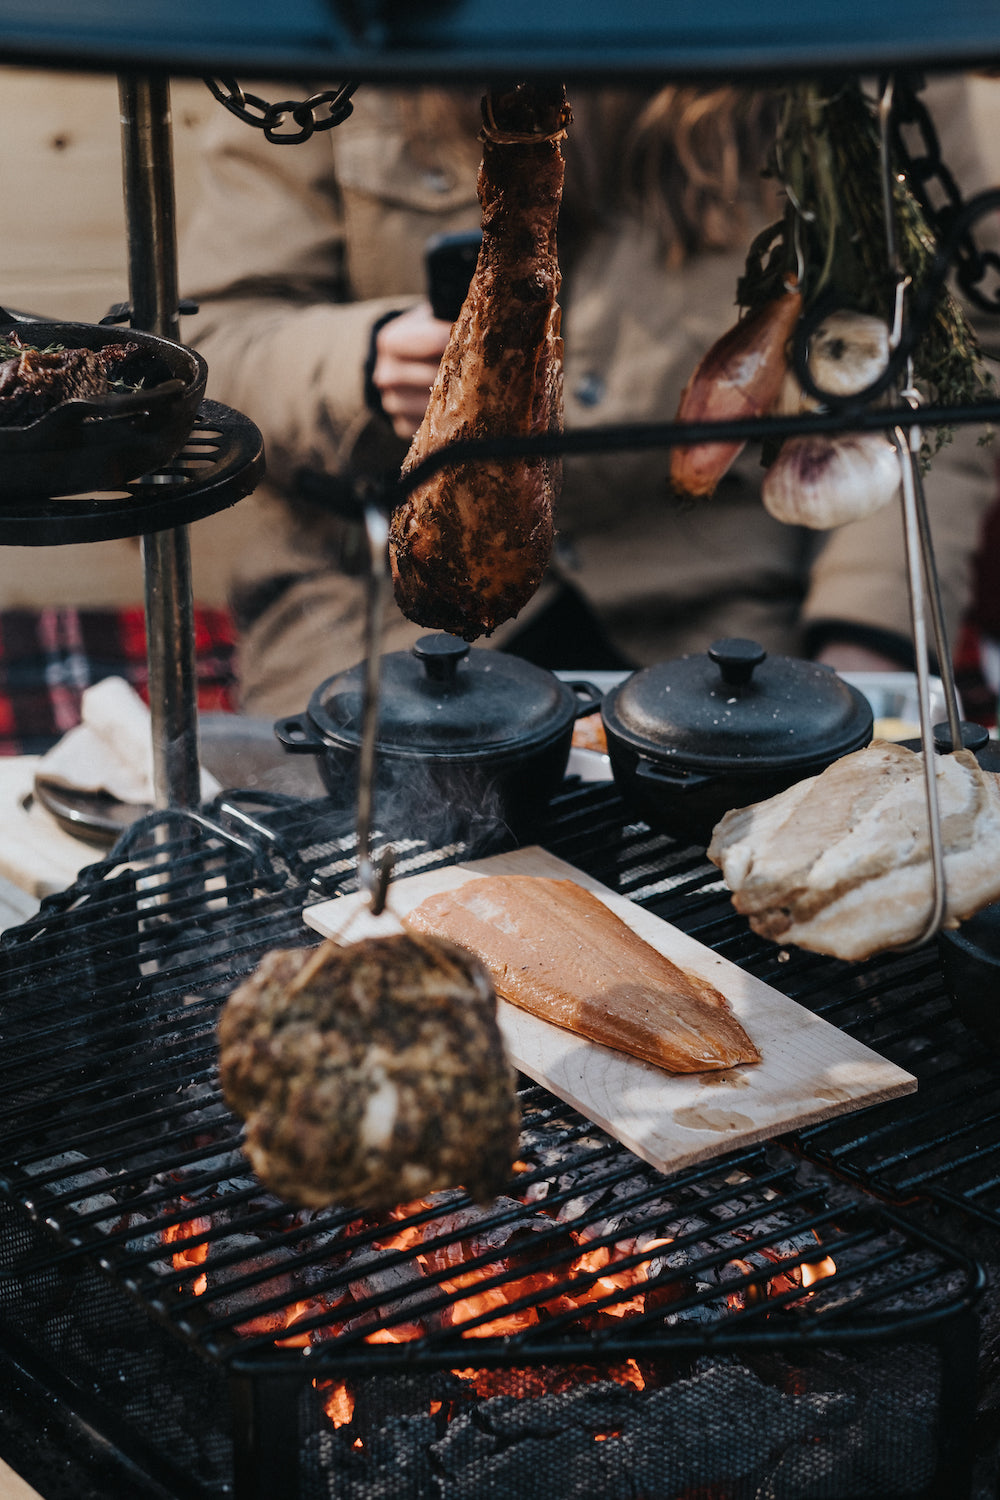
(589, 698)
(298, 735)
(676, 781)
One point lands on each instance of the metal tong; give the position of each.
(373, 875)
(924, 588)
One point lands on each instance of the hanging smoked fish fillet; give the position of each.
(470, 547)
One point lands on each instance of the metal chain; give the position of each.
(305, 114)
(930, 178)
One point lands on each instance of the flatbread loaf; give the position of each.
(840, 863)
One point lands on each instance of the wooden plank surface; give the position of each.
(809, 1070)
(13, 1487)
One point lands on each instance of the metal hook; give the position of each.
(373, 878)
(920, 565)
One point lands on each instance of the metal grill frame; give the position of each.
(211, 893)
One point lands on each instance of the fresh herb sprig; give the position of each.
(827, 156)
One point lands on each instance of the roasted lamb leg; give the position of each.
(470, 546)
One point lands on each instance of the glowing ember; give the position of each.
(599, 1282)
(338, 1402)
(189, 1256)
(818, 1270)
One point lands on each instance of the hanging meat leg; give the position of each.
(471, 545)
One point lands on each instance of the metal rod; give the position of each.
(148, 185)
(915, 573)
(374, 881)
(920, 565)
(942, 649)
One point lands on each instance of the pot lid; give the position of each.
(444, 698)
(735, 705)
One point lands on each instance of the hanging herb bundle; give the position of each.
(833, 237)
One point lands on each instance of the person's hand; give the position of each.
(408, 350)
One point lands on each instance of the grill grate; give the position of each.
(118, 1154)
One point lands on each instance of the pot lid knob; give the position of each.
(736, 659)
(974, 736)
(440, 655)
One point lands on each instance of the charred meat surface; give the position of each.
(470, 547)
(33, 381)
(558, 951)
(370, 1074)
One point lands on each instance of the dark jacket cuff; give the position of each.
(820, 633)
(373, 400)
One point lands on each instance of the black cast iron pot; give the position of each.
(472, 744)
(692, 738)
(101, 442)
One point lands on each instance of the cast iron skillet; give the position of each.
(103, 442)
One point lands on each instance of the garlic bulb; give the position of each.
(739, 376)
(848, 352)
(792, 399)
(821, 481)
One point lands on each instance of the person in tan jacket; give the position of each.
(307, 262)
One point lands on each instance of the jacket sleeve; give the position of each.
(264, 255)
(859, 577)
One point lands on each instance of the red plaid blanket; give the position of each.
(48, 657)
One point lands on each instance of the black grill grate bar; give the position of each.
(693, 1267)
(200, 1208)
(710, 1225)
(937, 1114)
(84, 1099)
(806, 1303)
(910, 1181)
(891, 1026)
(124, 1179)
(196, 1031)
(864, 1297)
(144, 1110)
(150, 888)
(146, 1114)
(291, 1238)
(390, 1259)
(704, 1204)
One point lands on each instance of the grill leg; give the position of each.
(959, 1351)
(266, 1441)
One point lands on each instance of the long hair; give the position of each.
(694, 160)
(687, 160)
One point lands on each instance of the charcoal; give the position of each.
(473, 1465)
(396, 1288)
(482, 1235)
(393, 1463)
(600, 1407)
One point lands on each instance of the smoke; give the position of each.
(445, 807)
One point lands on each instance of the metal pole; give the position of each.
(148, 183)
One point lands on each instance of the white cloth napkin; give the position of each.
(111, 749)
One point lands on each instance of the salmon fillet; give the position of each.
(558, 951)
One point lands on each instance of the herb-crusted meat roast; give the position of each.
(370, 1074)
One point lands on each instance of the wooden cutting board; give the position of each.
(809, 1070)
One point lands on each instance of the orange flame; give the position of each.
(338, 1402)
(818, 1270)
(189, 1256)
